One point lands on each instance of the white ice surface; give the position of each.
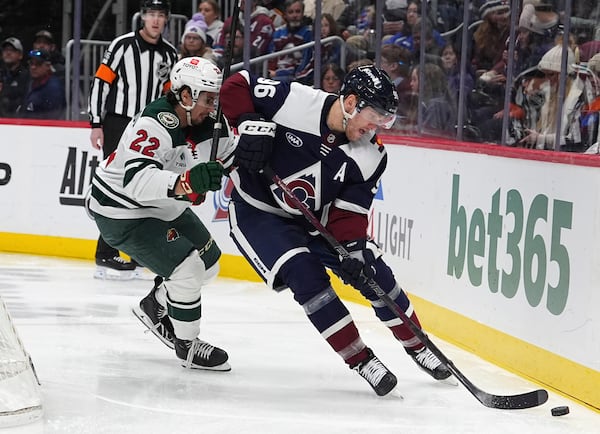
(101, 373)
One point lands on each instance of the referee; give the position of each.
(134, 72)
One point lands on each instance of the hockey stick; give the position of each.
(226, 70)
(505, 402)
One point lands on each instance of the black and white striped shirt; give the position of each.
(132, 74)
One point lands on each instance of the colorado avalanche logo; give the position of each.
(305, 187)
(172, 234)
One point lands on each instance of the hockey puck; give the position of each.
(560, 411)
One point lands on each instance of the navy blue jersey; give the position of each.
(335, 178)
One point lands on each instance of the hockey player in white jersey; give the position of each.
(324, 147)
(140, 200)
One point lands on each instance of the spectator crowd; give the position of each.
(421, 49)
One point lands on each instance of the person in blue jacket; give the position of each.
(45, 98)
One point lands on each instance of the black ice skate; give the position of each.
(381, 379)
(198, 354)
(428, 362)
(154, 316)
(115, 268)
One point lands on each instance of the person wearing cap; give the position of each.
(45, 98)
(134, 72)
(542, 134)
(44, 40)
(193, 42)
(14, 76)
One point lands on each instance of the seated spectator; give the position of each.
(14, 77)
(491, 35)
(542, 135)
(45, 98)
(451, 66)
(211, 11)
(237, 47)
(330, 51)
(297, 31)
(261, 30)
(44, 40)
(438, 108)
(433, 42)
(193, 43)
(396, 62)
(332, 77)
(405, 31)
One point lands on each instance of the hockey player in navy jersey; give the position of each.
(324, 147)
(141, 196)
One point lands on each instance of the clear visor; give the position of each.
(209, 100)
(373, 116)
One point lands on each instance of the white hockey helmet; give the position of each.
(196, 73)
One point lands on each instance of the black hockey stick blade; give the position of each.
(503, 402)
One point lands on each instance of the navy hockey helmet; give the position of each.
(373, 88)
(156, 5)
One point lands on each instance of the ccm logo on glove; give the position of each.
(255, 143)
(257, 128)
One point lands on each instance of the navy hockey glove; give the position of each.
(201, 178)
(255, 143)
(360, 266)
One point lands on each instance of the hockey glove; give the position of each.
(360, 266)
(255, 143)
(200, 179)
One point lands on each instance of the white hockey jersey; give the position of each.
(135, 180)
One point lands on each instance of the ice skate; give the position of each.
(380, 378)
(154, 316)
(198, 354)
(115, 268)
(428, 362)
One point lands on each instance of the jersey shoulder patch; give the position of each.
(168, 120)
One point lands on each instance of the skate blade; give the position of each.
(105, 273)
(450, 381)
(395, 393)
(139, 313)
(223, 367)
